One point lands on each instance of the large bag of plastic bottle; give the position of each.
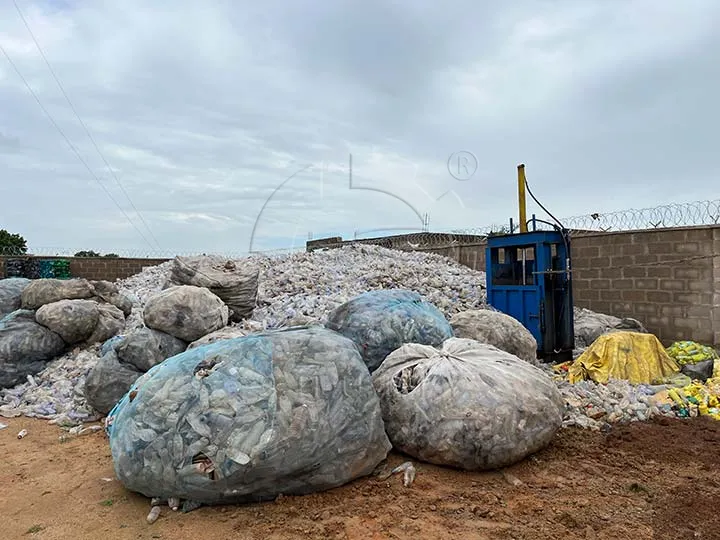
(381, 321)
(285, 412)
(467, 404)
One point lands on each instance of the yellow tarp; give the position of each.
(632, 356)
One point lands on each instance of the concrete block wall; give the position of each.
(668, 279)
(97, 268)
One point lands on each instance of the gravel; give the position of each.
(303, 288)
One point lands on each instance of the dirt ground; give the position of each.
(657, 480)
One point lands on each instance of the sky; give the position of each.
(178, 127)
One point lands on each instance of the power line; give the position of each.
(92, 139)
(72, 147)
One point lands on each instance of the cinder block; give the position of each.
(634, 295)
(585, 252)
(633, 249)
(646, 284)
(686, 273)
(646, 309)
(621, 308)
(634, 272)
(698, 235)
(681, 322)
(610, 295)
(687, 298)
(687, 247)
(699, 311)
(586, 295)
(674, 311)
(586, 273)
(611, 273)
(659, 296)
(659, 322)
(660, 248)
(622, 284)
(645, 259)
(702, 336)
(700, 286)
(600, 262)
(672, 285)
(659, 272)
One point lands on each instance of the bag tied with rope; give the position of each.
(236, 286)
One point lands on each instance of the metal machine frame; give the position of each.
(529, 278)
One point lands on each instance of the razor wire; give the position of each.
(696, 213)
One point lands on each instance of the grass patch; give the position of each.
(35, 529)
(638, 488)
(107, 502)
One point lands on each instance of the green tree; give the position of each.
(12, 244)
(112, 255)
(87, 254)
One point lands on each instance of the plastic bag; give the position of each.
(291, 411)
(111, 321)
(229, 332)
(186, 312)
(589, 326)
(381, 321)
(146, 348)
(467, 404)
(236, 286)
(46, 291)
(699, 371)
(124, 359)
(25, 347)
(498, 329)
(108, 381)
(11, 294)
(106, 291)
(72, 320)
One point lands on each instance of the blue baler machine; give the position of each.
(529, 278)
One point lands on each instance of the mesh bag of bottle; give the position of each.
(466, 404)
(381, 321)
(291, 411)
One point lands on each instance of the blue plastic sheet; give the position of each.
(291, 411)
(381, 321)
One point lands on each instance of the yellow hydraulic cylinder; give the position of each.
(521, 198)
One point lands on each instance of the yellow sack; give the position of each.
(632, 356)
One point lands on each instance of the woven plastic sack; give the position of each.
(498, 329)
(46, 291)
(589, 326)
(236, 286)
(25, 347)
(185, 312)
(10, 294)
(467, 404)
(285, 412)
(72, 320)
(381, 321)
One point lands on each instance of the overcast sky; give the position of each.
(203, 109)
